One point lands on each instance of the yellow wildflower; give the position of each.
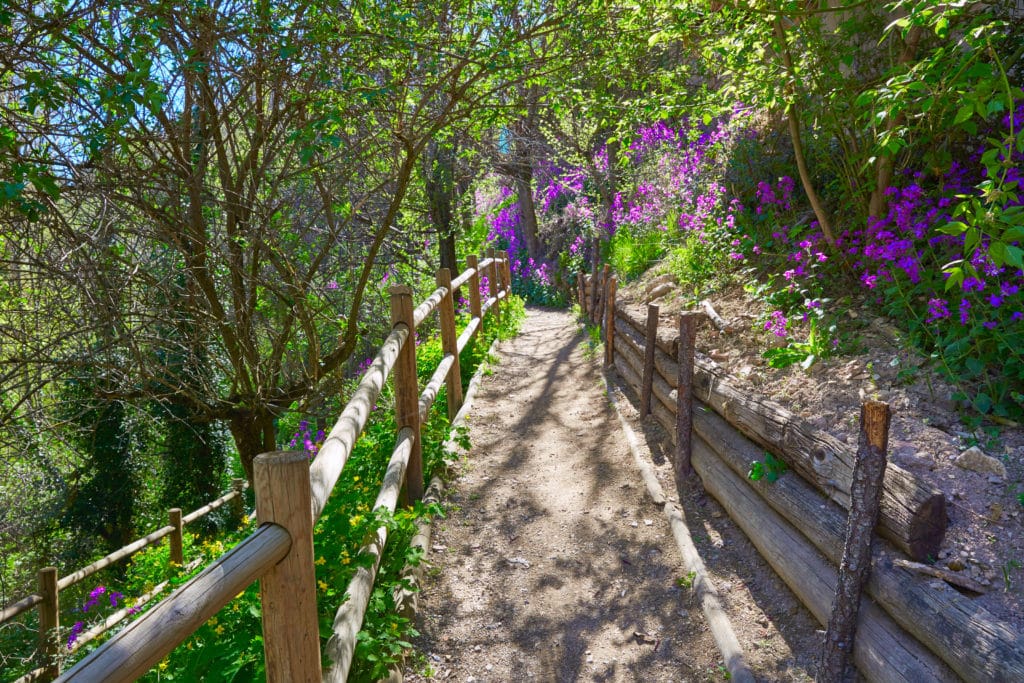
(212, 621)
(164, 665)
(320, 561)
(323, 585)
(355, 520)
(219, 630)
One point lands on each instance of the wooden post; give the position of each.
(450, 343)
(407, 391)
(49, 623)
(506, 271)
(581, 296)
(866, 496)
(684, 399)
(238, 502)
(291, 628)
(494, 283)
(651, 341)
(174, 540)
(606, 273)
(609, 320)
(474, 288)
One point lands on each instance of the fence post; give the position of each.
(648, 379)
(855, 567)
(49, 622)
(606, 274)
(684, 399)
(174, 540)
(238, 502)
(493, 283)
(474, 288)
(291, 630)
(582, 292)
(450, 343)
(506, 270)
(609, 320)
(407, 391)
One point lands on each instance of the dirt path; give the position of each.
(552, 564)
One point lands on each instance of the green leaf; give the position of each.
(965, 113)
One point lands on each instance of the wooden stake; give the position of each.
(581, 294)
(684, 399)
(291, 628)
(450, 343)
(506, 270)
(606, 273)
(594, 277)
(177, 556)
(407, 391)
(648, 378)
(49, 622)
(866, 495)
(609, 320)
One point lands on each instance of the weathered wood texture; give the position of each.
(348, 619)
(684, 399)
(407, 393)
(291, 631)
(913, 515)
(855, 566)
(968, 638)
(651, 333)
(450, 343)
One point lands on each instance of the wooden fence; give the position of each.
(910, 630)
(47, 600)
(291, 493)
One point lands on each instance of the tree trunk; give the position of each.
(793, 113)
(878, 204)
(528, 211)
(254, 433)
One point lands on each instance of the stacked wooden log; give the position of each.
(909, 630)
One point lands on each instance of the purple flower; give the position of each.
(776, 324)
(965, 311)
(76, 631)
(994, 300)
(938, 309)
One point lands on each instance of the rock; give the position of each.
(975, 460)
(955, 565)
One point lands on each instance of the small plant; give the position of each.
(686, 582)
(805, 353)
(1007, 568)
(769, 469)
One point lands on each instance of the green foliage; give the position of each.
(632, 251)
(698, 264)
(769, 469)
(805, 353)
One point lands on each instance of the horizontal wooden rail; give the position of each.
(334, 452)
(471, 329)
(464, 278)
(428, 306)
(130, 549)
(348, 620)
(23, 605)
(210, 507)
(132, 652)
(434, 385)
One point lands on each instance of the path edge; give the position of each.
(704, 588)
(407, 599)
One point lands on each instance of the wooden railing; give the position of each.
(291, 494)
(47, 600)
